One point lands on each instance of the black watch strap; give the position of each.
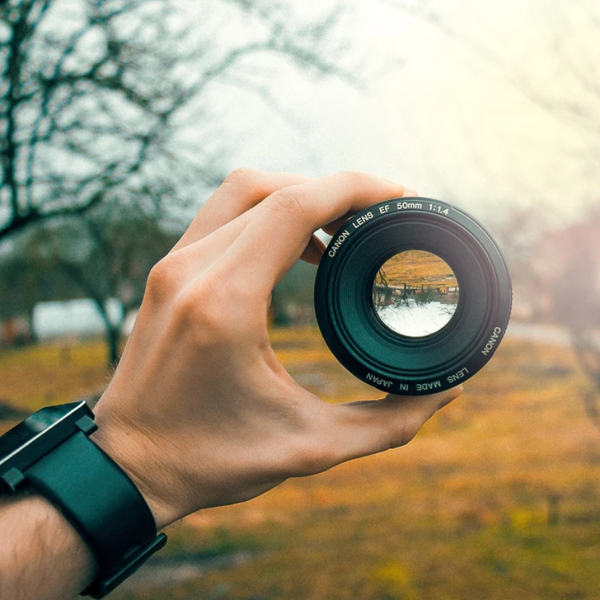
(103, 505)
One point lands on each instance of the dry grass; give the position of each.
(498, 497)
(52, 373)
(416, 268)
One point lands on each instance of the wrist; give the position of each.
(50, 457)
(133, 456)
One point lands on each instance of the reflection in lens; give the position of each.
(415, 293)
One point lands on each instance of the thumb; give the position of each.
(364, 428)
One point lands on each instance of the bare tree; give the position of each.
(83, 115)
(106, 255)
(95, 100)
(570, 261)
(91, 90)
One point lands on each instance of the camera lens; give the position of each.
(413, 296)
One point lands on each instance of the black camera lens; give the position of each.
(413, 296)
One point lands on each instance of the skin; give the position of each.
(200, 412)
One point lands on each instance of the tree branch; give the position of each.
(34, 216)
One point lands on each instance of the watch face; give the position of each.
(38, 434)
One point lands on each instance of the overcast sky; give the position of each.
(442, 109)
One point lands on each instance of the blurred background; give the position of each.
(117, 120)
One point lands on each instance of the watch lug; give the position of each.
(87, 425)
(14, 479)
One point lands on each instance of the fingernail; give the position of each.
(409, 193)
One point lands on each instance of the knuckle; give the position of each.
(399, 438)
(215, 313)
(241, 177)
(290, 200)
(164, 279)
(355, 178)
(407, 430)
(196, 312)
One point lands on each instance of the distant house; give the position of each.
(71, 317)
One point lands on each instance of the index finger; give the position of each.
(281, 226)
(241, 190)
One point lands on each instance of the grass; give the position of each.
(416, 268)
(52, 373)
(498, 496)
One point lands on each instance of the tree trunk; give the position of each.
(113, 339)
(33, 336)
(112, 334)
(588, 357)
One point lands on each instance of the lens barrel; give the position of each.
(347, 317)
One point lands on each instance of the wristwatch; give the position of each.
(52, 453)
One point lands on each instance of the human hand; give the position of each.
(200, 412)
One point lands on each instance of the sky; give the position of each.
(452, 108)
(443, 108)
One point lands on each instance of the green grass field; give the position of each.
(497, 498)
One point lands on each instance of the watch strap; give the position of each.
(103, 505)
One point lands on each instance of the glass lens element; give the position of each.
(415, 293)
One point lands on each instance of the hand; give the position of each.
(200, 412)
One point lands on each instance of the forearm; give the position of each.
(41, 555)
